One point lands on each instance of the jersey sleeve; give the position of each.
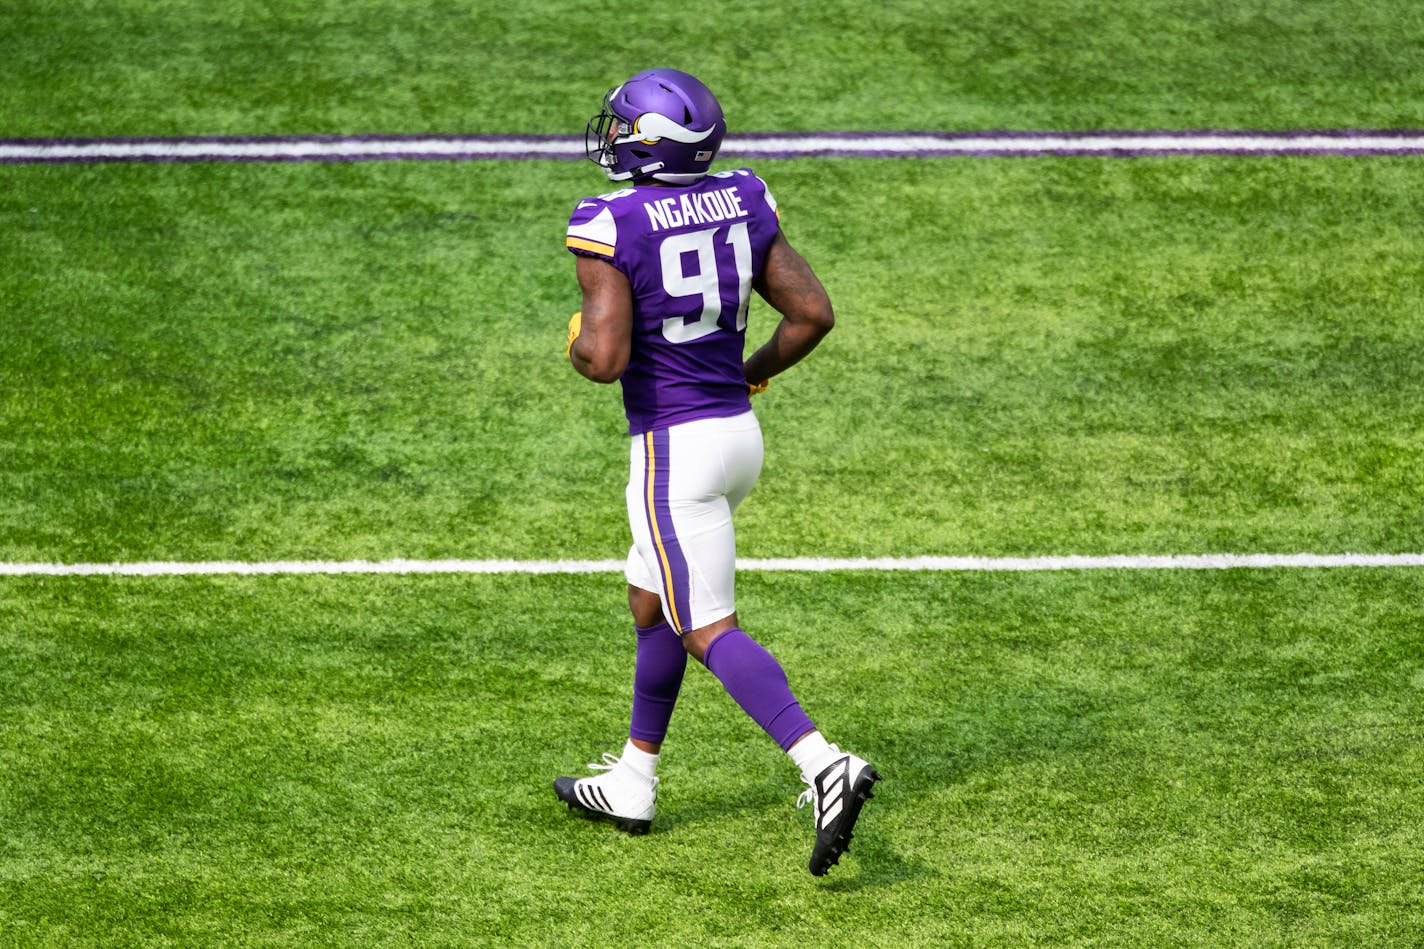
(758, 184)
(770, 201)
(592, 232)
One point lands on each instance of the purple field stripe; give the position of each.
(284, 139)
(751, 154)
(1032, 134)
(279, 158)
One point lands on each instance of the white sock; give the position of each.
(642, 763)
(812, 754)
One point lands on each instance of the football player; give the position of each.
(666, 266)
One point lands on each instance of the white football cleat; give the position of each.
(838, 793)
(620, 796)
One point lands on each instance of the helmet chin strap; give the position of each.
(638, 172)
(681, 179)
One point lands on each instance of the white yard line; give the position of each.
(790, 564)
(764, 145)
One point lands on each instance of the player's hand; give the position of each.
(575, 324)
(754, 387)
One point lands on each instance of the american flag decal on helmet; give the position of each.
(703, 156)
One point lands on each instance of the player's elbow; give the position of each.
(600, 367)
(603, 374)
(599, 357)
(821, 317)
(812, 311)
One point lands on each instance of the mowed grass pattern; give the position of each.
(1046, 356)
(1040, 356)
(1176, 758)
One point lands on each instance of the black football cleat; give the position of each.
(838, 793)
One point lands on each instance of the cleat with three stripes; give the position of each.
(838, 793)
(620, 796)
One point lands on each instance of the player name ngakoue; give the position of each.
(708, 207)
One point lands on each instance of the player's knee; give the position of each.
(698, 641)
(645, 605)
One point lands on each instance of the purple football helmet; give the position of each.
(661, 124)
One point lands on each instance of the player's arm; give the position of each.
(791, 287)
(605, 336)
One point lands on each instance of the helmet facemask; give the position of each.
(605, 132)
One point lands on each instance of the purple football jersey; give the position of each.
(690, 254)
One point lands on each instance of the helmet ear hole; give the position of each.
(639, 153)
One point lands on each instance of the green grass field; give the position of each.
(1034, 357)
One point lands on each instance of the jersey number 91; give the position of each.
(705, 279)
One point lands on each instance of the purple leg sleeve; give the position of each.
(657, 678)
(753, 677)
